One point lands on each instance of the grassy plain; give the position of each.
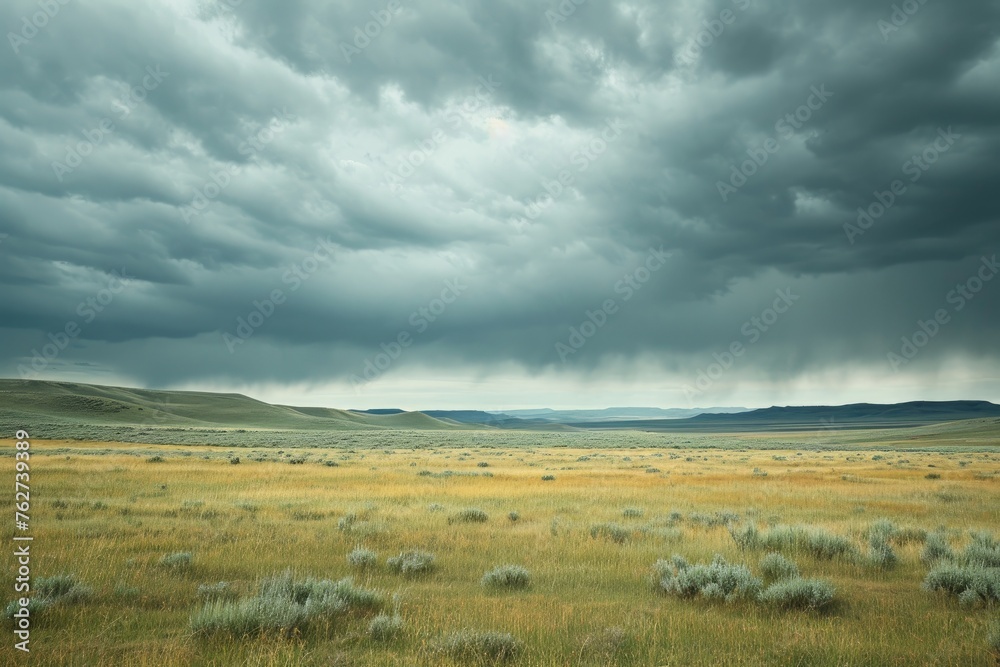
(107, 513)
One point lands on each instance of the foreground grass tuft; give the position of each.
(283, 605)
(718, 580)
(483, 648)
(411, 563)
(798, 593)
(510, 577)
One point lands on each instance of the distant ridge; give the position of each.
(857, 415)
(71, 404)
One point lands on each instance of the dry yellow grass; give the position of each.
(105, 513)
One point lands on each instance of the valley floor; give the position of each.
(587, 523)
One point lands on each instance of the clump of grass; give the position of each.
(722, 518)
(993, 641)
(718, 580)
(155, 459)
(180, 560)
(221, 590)
(469, 515)
(816, 542)
(385, 627)
(483, 464)
(62, 588)
(476, 647)
(126, 592)
(548, 478)
(610, 646)
(362, 558)
(509, 577)
(48, 591)
(514, 517)
(633, 512)
(933, 475)
(909, 535)
(880, 552)
(346, 522)
(412, 563)
(615, 532)
(776, 567)
(798, 593)
(435, 507)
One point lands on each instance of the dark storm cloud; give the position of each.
(534, 151)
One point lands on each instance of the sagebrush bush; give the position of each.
(412, 562)
(511, 577)
(180, 560)
(514, 517)
(221, 590)
(982, 551)
(972, 584)
(362, 558)
(880, 552)
(717, 580)
(385, 627)
(36, 607)
(936, 548)
(883, 528)
(470, 646)
(774, 566)
(469, 515)
(746, 537)
(62, 588)
(798, 593)
(548, 478)
(283, 604)
(346, 522)
(615, 532)
(633, 512)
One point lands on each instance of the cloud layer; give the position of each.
(288, 193)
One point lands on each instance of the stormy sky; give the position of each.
(499, 204)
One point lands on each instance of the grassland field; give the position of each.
(109, 513)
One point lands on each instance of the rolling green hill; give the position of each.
(69, 404)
